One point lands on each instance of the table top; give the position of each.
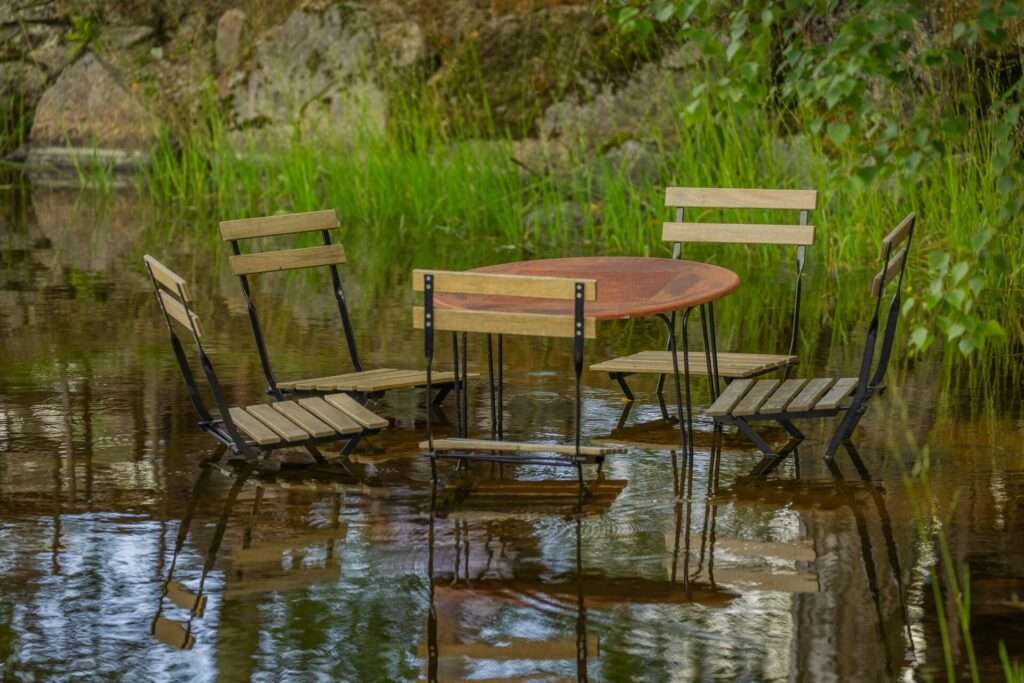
(627, 286)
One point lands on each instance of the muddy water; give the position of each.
(322, 575)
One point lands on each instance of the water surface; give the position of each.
(322, 575)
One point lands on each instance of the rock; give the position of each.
(563, 215)
(126, 36)
(635, 161)
(313, 71)
(19, 79)
(403, 43)
(53, 56)
(522, 63)
(645, 104)
(88, 107)
(228, 47)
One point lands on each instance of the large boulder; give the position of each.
(313, 72)
(87, 107)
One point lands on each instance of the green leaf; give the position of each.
(733, 48)
(954, 330)
(665, 12)
(967, 346)
(958, 30)
(920, 338)
(960, 271)
(838, 133)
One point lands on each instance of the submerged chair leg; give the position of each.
(624, 387)
(846, 427)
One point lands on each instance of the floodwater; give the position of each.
(110, 530)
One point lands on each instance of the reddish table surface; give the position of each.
(627, 286)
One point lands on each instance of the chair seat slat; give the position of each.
(778, 401)
(340, 421)
(732, 395)
(253, 428)
(359, 413)
(730, 365)
(285, 428)
(300, 416)
(755, 397)
(518, 447)
(839, 391)
(809, 395)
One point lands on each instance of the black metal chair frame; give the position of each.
(708, 317)
(221, 427)
(496, 390)
(346, 324)
(870, 376)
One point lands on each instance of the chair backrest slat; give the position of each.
(889, 272)
(899, 233)
(167, 277)
(533, 286)
(180, 313)
(738, 233)
(287, 259)
(497, 322)
(270, 226)
(740, 198)
(173, 293)
(489, 321)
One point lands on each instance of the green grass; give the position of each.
(420, 195)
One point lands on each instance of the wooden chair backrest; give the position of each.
(681, 198)
(172, 292)
(502, 322)
(283, 259)
(893, 262)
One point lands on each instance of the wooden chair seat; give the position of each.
(588, 452)
(273, 424)
(730, 365)
(771, 397)
(370, 381)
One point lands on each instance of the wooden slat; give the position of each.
(167, 277)
(839, 391)
(730, 365)
(253, 428)
(755, 397)
(534, 286)
(812, 391)
(342, 382)
(738, 233)
(899, 233)
(179, 313)
(493, 322)
(287, 259)
(284, 427)
(173, 633)
(286, 224)
(740, 198)
(518, 447)
(186, 599)
(340, 421)
(357, 412)
(884, 277)
(783, 395)
(300, 416)
(735, 391)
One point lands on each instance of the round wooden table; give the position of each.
(627, 287)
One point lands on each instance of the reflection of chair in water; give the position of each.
(259, 429)
(468, 591)
(260, 563)
(835, 494)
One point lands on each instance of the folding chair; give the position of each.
(726, 365)
(362, 383)
(436, 315)
(745, 401)
(255, 430)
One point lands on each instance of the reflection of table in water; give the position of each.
(263, 559)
